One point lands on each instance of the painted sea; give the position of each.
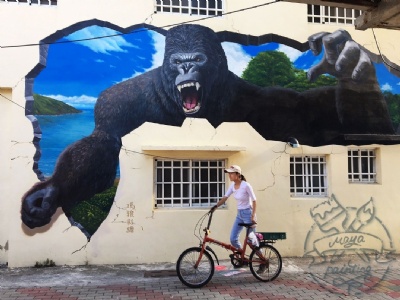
(60, 131)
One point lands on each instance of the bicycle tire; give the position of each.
(194, 277)
(259, 269)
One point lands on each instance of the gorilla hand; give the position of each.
(360, 105)
(39, 204)
(77, 177)
(343, 58)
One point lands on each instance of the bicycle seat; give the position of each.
(247, 225)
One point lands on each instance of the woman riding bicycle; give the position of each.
(246, 205)
(195, 266)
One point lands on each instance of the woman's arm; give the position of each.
(222, 201)
(253, 216)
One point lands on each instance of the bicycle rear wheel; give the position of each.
(190, 275)
(268, 268)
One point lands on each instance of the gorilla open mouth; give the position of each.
(191, 96)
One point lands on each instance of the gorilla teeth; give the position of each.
(188, 84)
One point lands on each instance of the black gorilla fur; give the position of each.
(194, 81)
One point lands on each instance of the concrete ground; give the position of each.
(344, 278)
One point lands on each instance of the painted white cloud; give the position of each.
(386, 87)
(159, 45)
(292, 53)
(157, 57)
(76, 101)
(237, 58)
(100, 45)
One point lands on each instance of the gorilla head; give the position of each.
(194, 67)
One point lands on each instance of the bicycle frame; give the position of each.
(208, 239)
(195, 266)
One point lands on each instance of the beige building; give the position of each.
(294, 186)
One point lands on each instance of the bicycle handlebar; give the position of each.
(209, 218)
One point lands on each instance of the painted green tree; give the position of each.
(274, 68)
(393, 104)
(270, 68)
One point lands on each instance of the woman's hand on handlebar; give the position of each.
(213, 209)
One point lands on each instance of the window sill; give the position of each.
(307, 198)
(192, 148)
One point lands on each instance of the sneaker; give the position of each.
(237, 261)
(263, 267)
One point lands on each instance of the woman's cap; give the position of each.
(234, 169)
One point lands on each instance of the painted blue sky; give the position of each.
(77, 72)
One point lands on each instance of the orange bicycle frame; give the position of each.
(207, 239)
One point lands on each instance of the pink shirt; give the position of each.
(244, 195)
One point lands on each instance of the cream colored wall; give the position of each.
(160, 235)
(5, 127)
(265, 163)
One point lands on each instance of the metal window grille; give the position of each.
(331, 15)
(362, 165)
(36, 2)
(308, 176)
(190, 7)
(189, 183)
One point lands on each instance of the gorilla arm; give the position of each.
(324, 115)
(279, 113)
(89, 165)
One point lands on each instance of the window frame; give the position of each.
(191, 7)
(307, 188)
(321, 14)
(368, 170)
(30, 2)
(192, 196)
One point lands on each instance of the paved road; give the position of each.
(299, 280)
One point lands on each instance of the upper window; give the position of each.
(39, 2)
(189, 183)
(190, 7)
(331, 15)
(362, 165)
(308, 176)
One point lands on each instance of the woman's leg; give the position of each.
(243, 216)
(246, 217)
(235, 232)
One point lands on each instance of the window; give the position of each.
(39, 2)
(308, 176)
(331, 15)
(189, 183)
(362, 165)
(190, 7)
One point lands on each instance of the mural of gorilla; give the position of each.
(194, 81)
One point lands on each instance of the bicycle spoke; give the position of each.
(266, 263)
(189, 274)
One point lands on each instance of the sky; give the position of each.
(77, 72)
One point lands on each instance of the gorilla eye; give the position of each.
(178, 62)
(198, 59)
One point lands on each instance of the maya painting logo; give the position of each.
(349, 247)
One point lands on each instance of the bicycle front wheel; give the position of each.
(265, 263)
(191, 275)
